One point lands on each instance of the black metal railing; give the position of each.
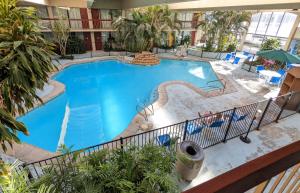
(206, 130)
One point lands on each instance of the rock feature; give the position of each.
(145, 58)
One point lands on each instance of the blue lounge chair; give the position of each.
(289, 66)
(228, 57)
(281, 72)
(236, 60)
(275, 80)
(164, 140)
(249, 58)
(194, 128)
(237, 117)
(217, 123)
(246, 53)
(259, 68)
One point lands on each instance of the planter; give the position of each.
(67, 57)
(190, 157)
(194, 52)
(204, 54)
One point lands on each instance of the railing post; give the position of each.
(185, 129)
(264, 113)
(246, 139)
(229, 124)
(121, 141)
(283, 106)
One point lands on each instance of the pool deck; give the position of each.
(178, 101)
(223, 157)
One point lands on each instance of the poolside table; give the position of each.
(268, 74)
(295, 65)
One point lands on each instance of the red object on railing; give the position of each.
(252, 173)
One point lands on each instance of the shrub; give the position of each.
(231, 47)
(75, 45)
(270, 44)
(186, 40)
(149, 169)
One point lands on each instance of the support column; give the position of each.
(93, 41)
(90, 18)
(292, 33)
(240, 48)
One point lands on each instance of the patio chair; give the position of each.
(194, 128)
(289, 66)
(236, 60)
(164, 140)
(233, 54)
(281, 72)
(217, 123)
(228, 57)
(259, 68)
(275, 81)
(246, 53)
(236, 117)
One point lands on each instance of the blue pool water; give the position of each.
(100, 100)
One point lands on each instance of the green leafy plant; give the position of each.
(270, 44)
(25, 62)
(221, 28)
(186, 40)
(75, 45)
(149, 169)
(12, 181)
(61, 32)
(145, 27)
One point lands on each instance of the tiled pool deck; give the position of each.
(180, 101)
(226, 156)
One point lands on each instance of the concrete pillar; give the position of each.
(89, 12)
(90, 18)
(93, 41)
(242, 41)
(292, 33)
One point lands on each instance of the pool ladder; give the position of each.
(144, 109)
(220, 80)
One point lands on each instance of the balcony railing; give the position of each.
(76, 24)
(278, 171)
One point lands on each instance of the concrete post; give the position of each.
(292, 33)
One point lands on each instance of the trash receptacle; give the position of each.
(189, 160)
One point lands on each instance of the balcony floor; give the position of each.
(226, 156)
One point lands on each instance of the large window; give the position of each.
(106, 18)
(265, 25)
(186, 19)
(42, 13)
(75, 18)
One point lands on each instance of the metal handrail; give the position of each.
(143, 107)
(218, 80)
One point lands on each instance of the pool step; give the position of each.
(84, 122)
